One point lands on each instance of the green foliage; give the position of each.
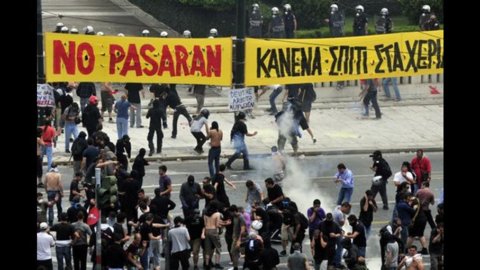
(310, 13)
(210, 4)
(412, 9)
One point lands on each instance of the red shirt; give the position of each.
(48, 135)
(419, 166)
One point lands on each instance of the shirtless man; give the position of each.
(212, 220)
(413, 260)
(54, 189)
(215, 135)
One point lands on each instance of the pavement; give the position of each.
(336, 122)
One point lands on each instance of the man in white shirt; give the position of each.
(45, 242)
(404, 176)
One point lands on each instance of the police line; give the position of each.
(209, 61)
(288, 61)
(138, 59)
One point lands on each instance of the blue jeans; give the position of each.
(240, 148)
(122, 127)
(51, 197)
(338, 252)
(344, 195)
(362, 251)
(70, 129)
(385, 83)
(48, 150)
(64, 252)
(273, 96)
(136, 115)
(214, 156)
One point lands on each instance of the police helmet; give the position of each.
(359, 8)
(187, 34)
(89, 30)
(275, 11)
(73, 30)
(145, 33)
(120, 35)
(64, 29)
(213, 32)
(426, 8)
(255, 6)
(100, 33)
(334, 7)
(287, 7)
(384, 11)
(58, 27)
(164, 34)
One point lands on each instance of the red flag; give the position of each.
(434, 90)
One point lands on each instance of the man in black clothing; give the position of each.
(290, 22)
(84, 91)
(194, 225)
(330, 229)
(269, 256)
(368, 205)
(381, 168)
(237, 136)
(275, 193)
(158, 90)
(156, 114)
(124, 145)
(139, 165)
(173, 101)
(190, 194)
(163, 204)
(78, 146)
(65, 234)
(91, 116)
(115, 256)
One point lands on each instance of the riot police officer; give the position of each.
(277, 27)
(187, 34)
(290, 22)
(360, 22)
(256, 22)
(384, 23)
(424, 17)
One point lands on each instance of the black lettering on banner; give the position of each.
(364, 59)
(334, 60)
(273, 63)
(340, 58)
(397, 57)
(350, 61)
(411, 54)
(317, 62)
(378, 50)
(284, 61)
(388, 56)
(359, 57)
(439, 54)
(432, 51)
(261, 63)
(306, 61)
(295, 63)
(421, 64)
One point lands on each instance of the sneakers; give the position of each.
(314, 140)
(150, 153)
(173, 137)
(283, 253)
(165, 126)
(385, 207)
(40, 185)
(217, 266)
(67, 151)
(228, 167)
(140, 126)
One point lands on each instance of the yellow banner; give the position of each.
(289, 61)
(138, 59)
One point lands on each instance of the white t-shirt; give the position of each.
(44, 243)
(398, 179)
(198, 124)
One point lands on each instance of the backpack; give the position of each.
(387, 171)
(303, 221)
(77, 149)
